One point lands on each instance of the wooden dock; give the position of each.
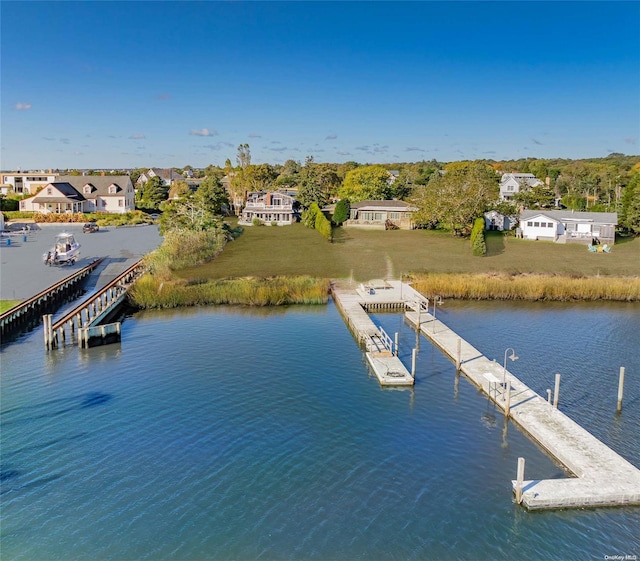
(380, 350)
(28, 314)
(89, 317)
(602, 477)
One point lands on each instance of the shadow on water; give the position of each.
(53, 408)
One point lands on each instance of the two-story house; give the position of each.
(512, 183)
(270, 207)
(93, 193)
(27, 183)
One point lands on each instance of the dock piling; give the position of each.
(507, 406)
(413, 363)
(459, 356)
(519, 480)
(395, 341)
(548, 396)
(620, 389)
(556, 392)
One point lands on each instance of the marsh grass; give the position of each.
(504, 286)
(182, 248)
(153, 292)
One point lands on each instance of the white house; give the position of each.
(93, 193)
(512, 183)
(26, 183)
(269, 208)
(169, 176)
(566, 226)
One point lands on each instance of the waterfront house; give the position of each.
(94, 193)
(567, 226)
(512, 183)
(269, 207)
(381, 214)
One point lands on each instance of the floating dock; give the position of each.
(380, 350)
(601, 476)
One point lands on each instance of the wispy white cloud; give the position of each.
(343, 153)
(277, 148)
(23, 106)
(164, 96)
(536, 142)
(255, 135)
(218, 146)
(631, 140)
(64, 140)
(331, 137)
(137, 136)
(204, 132)
(414, 149)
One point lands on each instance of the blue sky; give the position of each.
(137, 84)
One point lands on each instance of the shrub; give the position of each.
(341, 212)
(256, 222)
(478, 244)
(323, 225)
(309, 216)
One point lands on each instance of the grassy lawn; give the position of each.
(8, 304)
(367, 254)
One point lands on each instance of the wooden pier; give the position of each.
(380, 350)
(28, 314)
(87, 319)
(602, 477)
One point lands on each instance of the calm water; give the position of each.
(231, 434)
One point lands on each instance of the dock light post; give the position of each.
(437, 301)
(504, 365)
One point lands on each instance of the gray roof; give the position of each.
(569, 215)
(101, 183)
(382, 205)
(63, 188)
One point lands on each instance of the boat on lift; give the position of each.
(65, 250)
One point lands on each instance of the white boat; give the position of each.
(65, 250)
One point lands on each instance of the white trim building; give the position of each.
(512, 183)
(26, 183)
(93, 193)
(566, 226)
(269, 208)
(381, 214)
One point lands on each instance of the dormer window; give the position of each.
(87, 189)
(113, 189)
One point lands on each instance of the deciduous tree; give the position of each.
(366, 183)
(453, 200)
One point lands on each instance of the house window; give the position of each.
(529, 223)
(49, 191)
(379, 216)
(86, 189)
(536, 224)
(112, 189)
(395, 215)
(120, 202)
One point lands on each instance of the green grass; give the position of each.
(366, 254)
(8, 304)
